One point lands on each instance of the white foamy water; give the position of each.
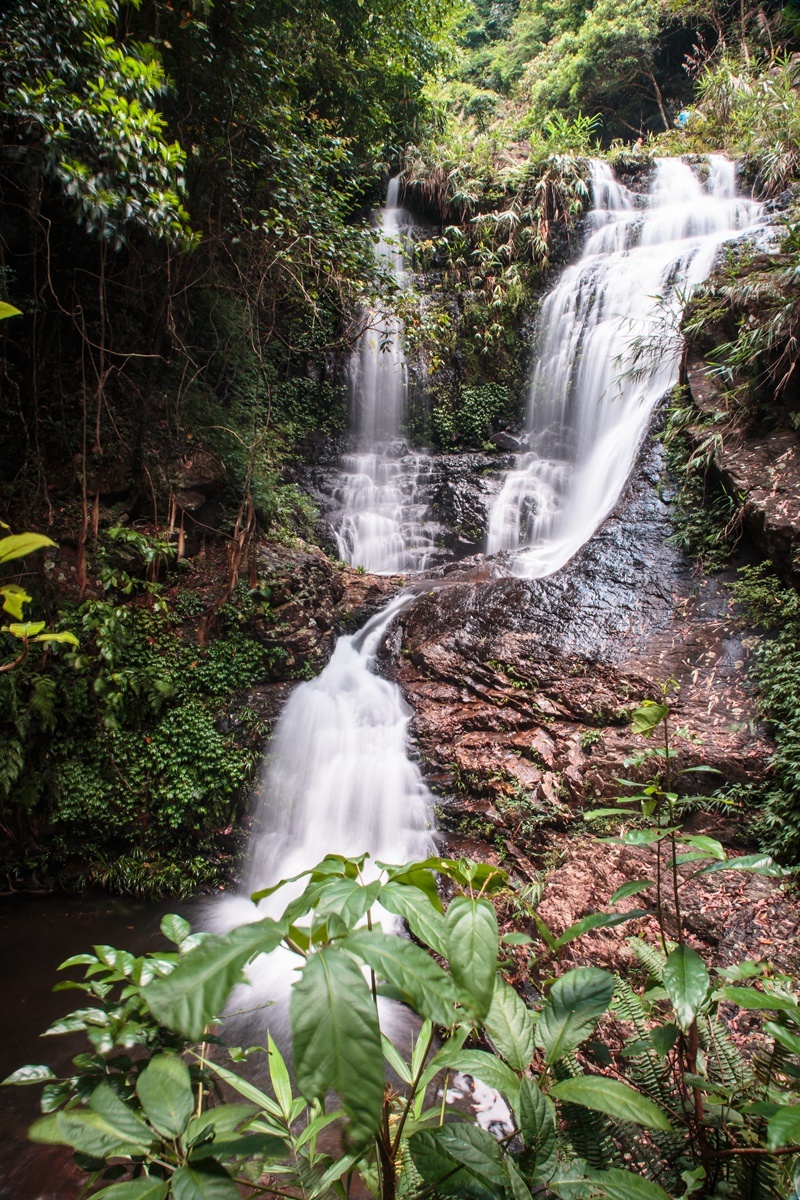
(607, 351)
(337, 780)
(381, 525)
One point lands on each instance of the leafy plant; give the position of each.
(681, 1095)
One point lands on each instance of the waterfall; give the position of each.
(338, 779)
(608, 349)
(381, 522)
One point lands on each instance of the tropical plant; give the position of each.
(681, 1109)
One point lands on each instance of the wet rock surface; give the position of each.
(312, 600)
(520, 687)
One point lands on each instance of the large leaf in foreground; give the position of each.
(624, 1185)
(462, 1160)
(472, 943)
(536, 1118)
(165, 1090)
(509, 1023)
(17, 545)
(421, 982)
(574, 1004)
(613, 1098)
(336, 1038)
(206, 1182)
(194, 993)
(686, 981)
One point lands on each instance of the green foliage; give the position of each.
(705, 517)
(775, 607)
(476, 412)
(14, 598)
(192, 1124)
(91, 102)
(117, 757)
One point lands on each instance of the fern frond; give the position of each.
(650, 958)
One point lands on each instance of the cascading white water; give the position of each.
(338, 779)
(381, 525)
(608, 349)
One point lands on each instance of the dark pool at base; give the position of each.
(37, 933)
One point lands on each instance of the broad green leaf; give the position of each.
(624, 1185)
(487, 1067)
(423, 919)
(165, 1090)
(748, 997)
(598, 920)
(686, 981)
(395, 1060)
(421, 982)
(418, 879)
(647, 717)
(759, 864)
(8, 310)
(456, 1157)
(509, 1024)
(472, 943)
(599, 814)
(517, 1187)
(207, 1182)
(25, 629)
(64, 636)
(574, 1004)
(225, 1118)
(31, 1074)
(17, 545)
(483, 877)
(346, 898)
(663, 1038)
(90, 1133)
(336, 1038)
(242, 1145)
(613, 1098)
(174, 928)
(631, 889)
(710, 846)
(279, 1077)
(147, 1188)
(108, 1104)
(14, 598)
(784, 1127)
(790, 1041)
(536, 1118)
(194, 994)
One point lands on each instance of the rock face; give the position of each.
(519, 686)
(764, 470)
(311, 601)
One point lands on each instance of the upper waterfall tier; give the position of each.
(608, 348)
(381, 524)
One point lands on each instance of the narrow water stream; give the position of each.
(382, 524)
